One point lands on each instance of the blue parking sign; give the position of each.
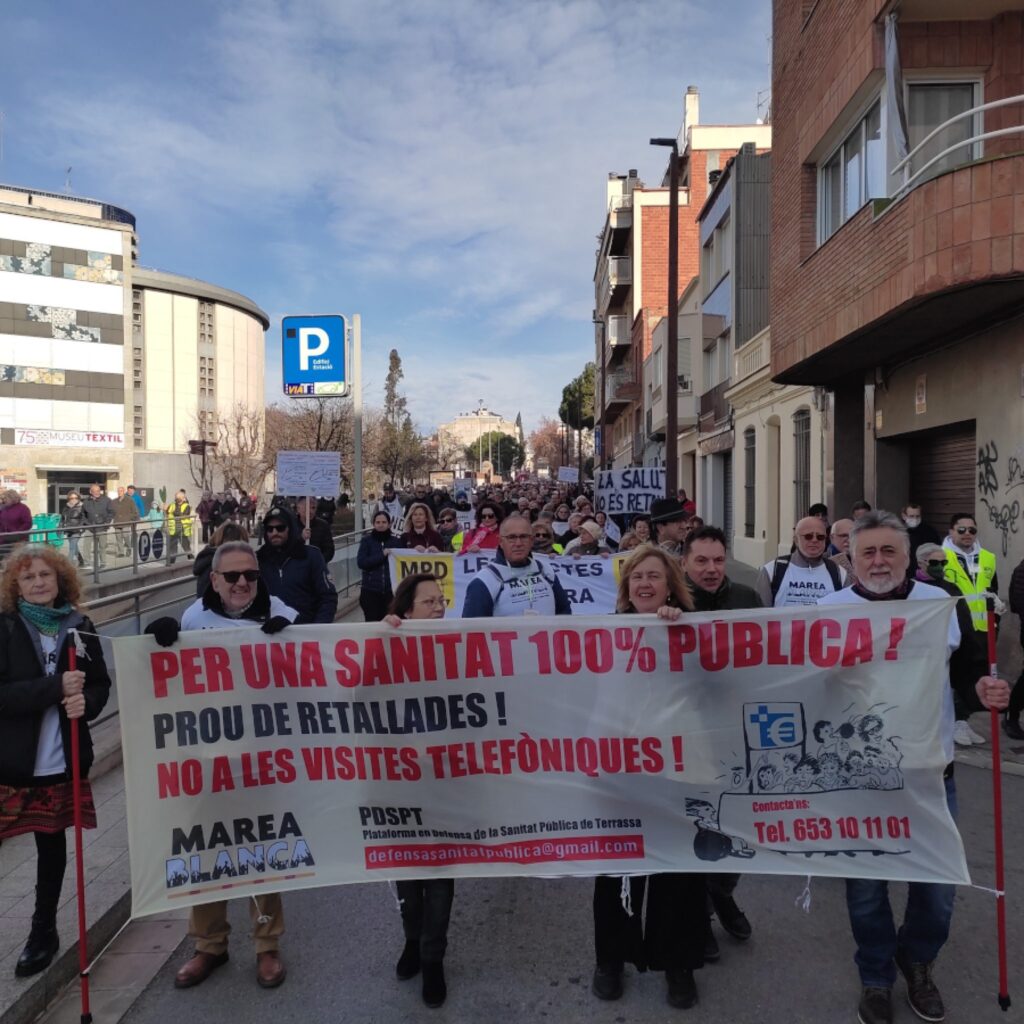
(313, 354)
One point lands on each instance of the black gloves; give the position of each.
(164, 631)
(275, 624)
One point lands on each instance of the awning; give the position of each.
(79, 468)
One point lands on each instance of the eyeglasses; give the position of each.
(275, 528)
(932, 561)
(487, 515)
(432, 602)
(812, 536)
(447, 519)
(517, 536)
(541, 535)
(972, 530)
(234, 575)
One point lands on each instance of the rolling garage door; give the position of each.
(942, 472)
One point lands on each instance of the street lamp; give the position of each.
(672, 344)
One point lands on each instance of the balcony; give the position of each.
(613, 283)
(714, 407)
(619, 334)
(620, 212)
(751, 357)
(620, 388)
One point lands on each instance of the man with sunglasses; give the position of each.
(804, 576)
(235, 597)
(295, 571)
(971, 567)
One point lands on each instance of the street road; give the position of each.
(521, 950)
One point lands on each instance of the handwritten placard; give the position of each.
(312, 473)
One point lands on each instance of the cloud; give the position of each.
(439, 166)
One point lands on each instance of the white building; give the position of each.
(84, 398)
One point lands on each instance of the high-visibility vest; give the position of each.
(179, 514)
(972, 588)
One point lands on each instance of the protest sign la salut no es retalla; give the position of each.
(757, 741)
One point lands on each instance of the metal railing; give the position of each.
(904, 165)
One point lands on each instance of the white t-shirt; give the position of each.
(198, 617)
(803, 584)
(922, 592)
(50, 748)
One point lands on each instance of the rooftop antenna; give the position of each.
(67, 182)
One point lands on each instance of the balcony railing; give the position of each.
(750, 358)
(621, 386)
(618, 331)
(714, 407)
(616, 276)
(910, 178)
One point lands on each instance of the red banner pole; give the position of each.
(76, 783)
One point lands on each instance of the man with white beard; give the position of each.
(880, 552)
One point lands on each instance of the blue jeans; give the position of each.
(925, 925)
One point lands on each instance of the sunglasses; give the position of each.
(234, 575)
(812, 536)
(932, 561)
(487, 515)
(972, 530)
(447, 519)
(275, 528)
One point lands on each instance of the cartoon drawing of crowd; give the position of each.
(852, 754)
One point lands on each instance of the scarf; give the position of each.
(898, 593)
(46, 620)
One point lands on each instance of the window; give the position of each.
(852, 175)
(749, 478)
(930, 104)
(801, 463)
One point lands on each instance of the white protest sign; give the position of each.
(769, 741)
(568, 474)
(309, 473)
(628, 491)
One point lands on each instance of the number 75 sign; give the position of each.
(313, 356)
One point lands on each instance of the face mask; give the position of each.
(912, 521)
(937, 572)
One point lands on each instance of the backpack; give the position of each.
(782, 564)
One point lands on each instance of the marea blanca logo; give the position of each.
(771, 726)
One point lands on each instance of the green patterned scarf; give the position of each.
(47, 620)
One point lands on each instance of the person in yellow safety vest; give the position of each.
(972, 569)
(179, 526)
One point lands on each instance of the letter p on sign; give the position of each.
(313, 341)
(313, 351)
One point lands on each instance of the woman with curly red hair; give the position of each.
(39, 697)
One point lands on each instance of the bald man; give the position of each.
(841, 542)
(806, 575)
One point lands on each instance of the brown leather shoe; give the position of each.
(270, 969)
(199, 968)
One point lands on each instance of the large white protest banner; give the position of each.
(768, 741)
(589, 581)
(628, 491)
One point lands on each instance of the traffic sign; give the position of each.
(313, 356)
(145, 545)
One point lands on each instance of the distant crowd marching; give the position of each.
(671, 563)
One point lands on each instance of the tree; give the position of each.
(546, 444)
(397, 450)
(447, 450)
(577, 408)
(505, 453)
(312, 425)
(241, 456)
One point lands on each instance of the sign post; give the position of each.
(357, 421)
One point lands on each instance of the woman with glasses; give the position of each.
(448, 529)
(420, 530)
(372, 559)
(670, 936)
(425, 903)
(483, 536)
(544, 539)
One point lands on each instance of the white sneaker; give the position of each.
(962, 734)
(975, 737)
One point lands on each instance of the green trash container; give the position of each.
(44, 529)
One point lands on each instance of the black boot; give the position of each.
(408, 965)
(435, 991)
(40, 949)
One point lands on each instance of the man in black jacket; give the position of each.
(704, 566)
(99, 513)
(295, 571)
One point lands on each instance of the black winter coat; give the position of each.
(297, 573)
(729, 595)
(1017, 592)
(26, 692)
(373, 562)
(201, 566)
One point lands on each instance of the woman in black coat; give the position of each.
(372, 559)
(39, 696)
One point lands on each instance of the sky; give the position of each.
(437, 167)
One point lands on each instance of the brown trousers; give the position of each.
(208, 924)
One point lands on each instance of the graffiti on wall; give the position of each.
(1000, 500)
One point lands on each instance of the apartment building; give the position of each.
(631, 273)
(897, 251)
